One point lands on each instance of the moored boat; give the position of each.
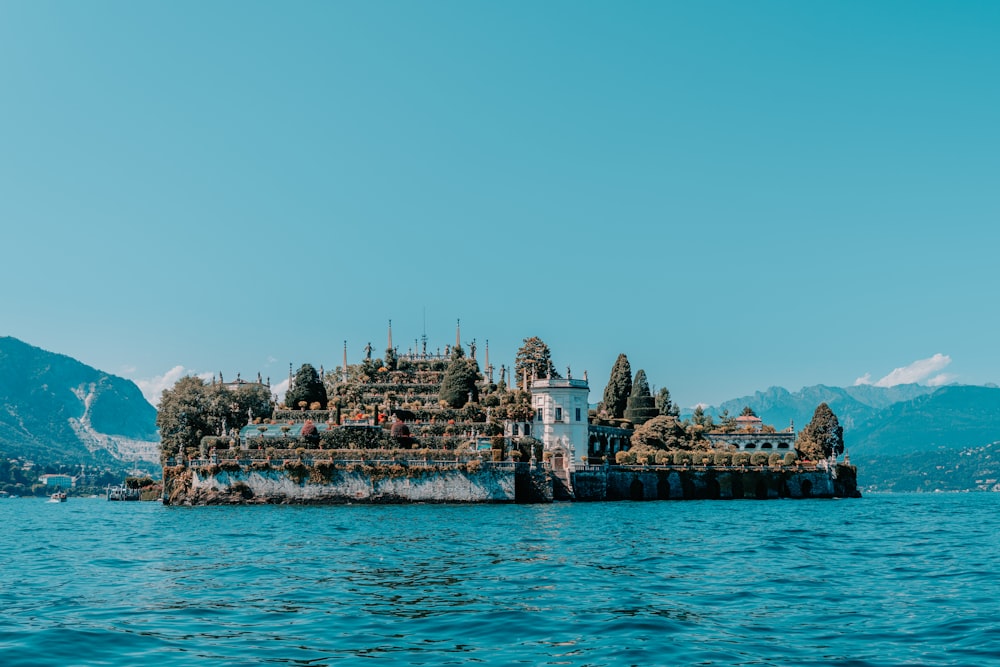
(123, 492)
(58, 497)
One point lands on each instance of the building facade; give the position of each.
(561, 419)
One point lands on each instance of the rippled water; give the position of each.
(885, 580)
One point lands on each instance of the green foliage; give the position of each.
(667, 433)
(822, 437)
(701, 418)
(307, 387)
(535, 358)
(758, 459)
(640, 387)
(790, 458)
(192, 410)
(665, 406)
(460, 382)
(748, 412)
(619, 387)
(183, 417)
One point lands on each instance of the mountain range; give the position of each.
(55, 408)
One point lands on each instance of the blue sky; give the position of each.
(734, 194)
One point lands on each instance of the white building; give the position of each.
(561, 419)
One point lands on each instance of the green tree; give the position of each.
(667, 433)
(665, 405)
(535, 358)
(307, 387)
(748, 412)
(459, 382)
(619, 387)
(183, 417)
(822, 437)
(640, 406)
(702, 418)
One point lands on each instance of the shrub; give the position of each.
(774, 459)
(790, 458)
(681, 458)
(624, 458)
(741, 458)
(758, 459)
(722, 458)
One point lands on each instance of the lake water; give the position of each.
(884, 580)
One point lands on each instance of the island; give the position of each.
(436, 426)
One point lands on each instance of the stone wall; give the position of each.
(488, 484)
(649, 483)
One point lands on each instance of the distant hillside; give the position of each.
(53, 407)
(955, 417)
(853, 405)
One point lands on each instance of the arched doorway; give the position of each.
(636, 490)
(806, 488)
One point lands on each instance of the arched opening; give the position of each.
(766, 445)
(663, 488)
(782, 445)
(807, 488)
(761, 490)
(750, 445)
(712, 490)
(635, 490)
(737, 485)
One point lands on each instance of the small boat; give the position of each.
(123, 492)
(58, 497)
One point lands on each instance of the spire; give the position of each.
(290, 380)
(390, 336)
(458, 333)
(344, 367)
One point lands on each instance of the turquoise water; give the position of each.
(885, 580)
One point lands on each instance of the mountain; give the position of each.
(853, 405)
(954, 417)
(55, 408)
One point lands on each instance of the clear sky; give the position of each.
(735, 194)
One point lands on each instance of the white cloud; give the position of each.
(153, 388)
(921, 370)
(280, 389)
(941, 380)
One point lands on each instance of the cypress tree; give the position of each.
(619, 387)
(459, 381)
(822, 437)
(641, 406)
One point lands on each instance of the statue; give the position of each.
(569, 373)
(472, 348)
(368, 351)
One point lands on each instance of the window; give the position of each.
(514, 432)
(538, 414)
(578, 414)
(558, 414)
